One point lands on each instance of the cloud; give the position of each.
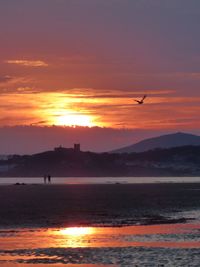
(38, 123)
(12, 84)
(5, 79)
(112, 93)
(27, 63)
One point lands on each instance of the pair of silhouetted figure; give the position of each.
(47, 178)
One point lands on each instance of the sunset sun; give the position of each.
(74, 120)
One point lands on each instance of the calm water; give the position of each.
(102, 180)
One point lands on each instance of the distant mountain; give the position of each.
(164, 141)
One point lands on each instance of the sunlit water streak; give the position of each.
(101, 180)
(100, 245)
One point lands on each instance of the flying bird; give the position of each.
(140, 101)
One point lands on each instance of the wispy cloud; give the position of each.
(39, 123)
(12, 84)
(27, 63)
(113, 93)
(5, 79)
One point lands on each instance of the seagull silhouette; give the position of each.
(140, 101)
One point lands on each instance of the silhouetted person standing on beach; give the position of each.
(45, 179)
(49, 178)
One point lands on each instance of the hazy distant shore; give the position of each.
(97, 180)
(66, 162)
(106, 204)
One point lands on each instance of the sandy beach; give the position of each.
(109, 204)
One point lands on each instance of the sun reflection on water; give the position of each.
(166, 236)
(77, 231)
(76, 236)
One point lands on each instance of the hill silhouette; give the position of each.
(164, 141)
(67, 162)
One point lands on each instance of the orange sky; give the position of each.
(83, 63)
(105, 108)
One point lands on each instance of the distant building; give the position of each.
(59, 148)
(77, 147)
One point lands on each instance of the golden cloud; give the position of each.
(28, 63)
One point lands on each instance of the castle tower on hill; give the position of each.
(77, 147)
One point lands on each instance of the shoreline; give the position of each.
(98, 180)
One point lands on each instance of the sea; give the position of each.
(168, 245)
(100, 180)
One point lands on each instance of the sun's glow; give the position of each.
(74, 120)
(77, 231)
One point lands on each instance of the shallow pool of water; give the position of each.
(169, 245)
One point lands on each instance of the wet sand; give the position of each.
(105, 205)
(176, 245)
(11, 264)
(23, 241)
(143, 225)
